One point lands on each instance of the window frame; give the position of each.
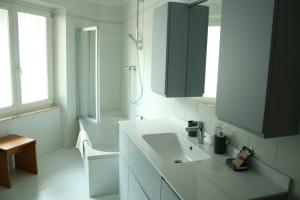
(18, 107)
(11, 109)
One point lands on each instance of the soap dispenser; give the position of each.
(220, 142)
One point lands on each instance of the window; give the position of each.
(212, 61)
(25, 67)
(33, 57)
(5, 65)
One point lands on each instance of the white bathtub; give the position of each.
(100, 151)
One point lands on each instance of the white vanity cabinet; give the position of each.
(123, 166)
(144, 172)
(139, 180)
(166, 192)
(146, 175)
(123, 178)
(123, 144)
(135, 190)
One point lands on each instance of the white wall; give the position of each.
(282, 154)
(44, 127)
(110, 44)
(82, 8)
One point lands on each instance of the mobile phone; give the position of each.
(242, 157)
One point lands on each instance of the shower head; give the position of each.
(137, 42)
(130, 36)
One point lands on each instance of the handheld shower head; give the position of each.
(138, 39)
(130, 36)
(137, 42)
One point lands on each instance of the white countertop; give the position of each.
(207, 179)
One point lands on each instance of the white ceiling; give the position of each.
(109, 2)
(122, 2)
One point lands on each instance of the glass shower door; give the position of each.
(88, 73)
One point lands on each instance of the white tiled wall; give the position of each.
(45, 127)
(281, 153)
(110, 66)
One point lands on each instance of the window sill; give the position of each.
(29, 113)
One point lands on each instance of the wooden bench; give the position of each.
(24, 150)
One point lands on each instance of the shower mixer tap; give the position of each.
(132, 67)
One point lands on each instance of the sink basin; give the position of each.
(174, 148)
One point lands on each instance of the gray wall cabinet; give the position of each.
(179, 50)
(259, 68)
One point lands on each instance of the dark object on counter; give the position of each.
(240, 163)
(192, 133)
(220, 144)
(229, 162)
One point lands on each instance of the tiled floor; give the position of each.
(61, 177)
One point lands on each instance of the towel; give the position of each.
(82, 137)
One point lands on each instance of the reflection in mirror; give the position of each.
(212, 61)
(213, 46)
(88, 73)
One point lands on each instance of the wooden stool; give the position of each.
(24, 150)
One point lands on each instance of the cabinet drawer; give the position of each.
(135, 191)
(167, 193)
(123, 144)
(123, 178)
(144, 171)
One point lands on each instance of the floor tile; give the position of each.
(61, 177)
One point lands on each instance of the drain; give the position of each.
(178, 161)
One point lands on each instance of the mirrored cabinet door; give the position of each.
(258, 83)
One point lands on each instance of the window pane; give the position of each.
(212, 61)
(5, 65)
(33, 57)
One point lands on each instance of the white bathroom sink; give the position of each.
(174, 148)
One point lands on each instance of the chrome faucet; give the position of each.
(199, 127)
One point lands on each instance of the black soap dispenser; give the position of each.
(220, 142)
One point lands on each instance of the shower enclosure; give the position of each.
(98, 139)
(88, 73)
